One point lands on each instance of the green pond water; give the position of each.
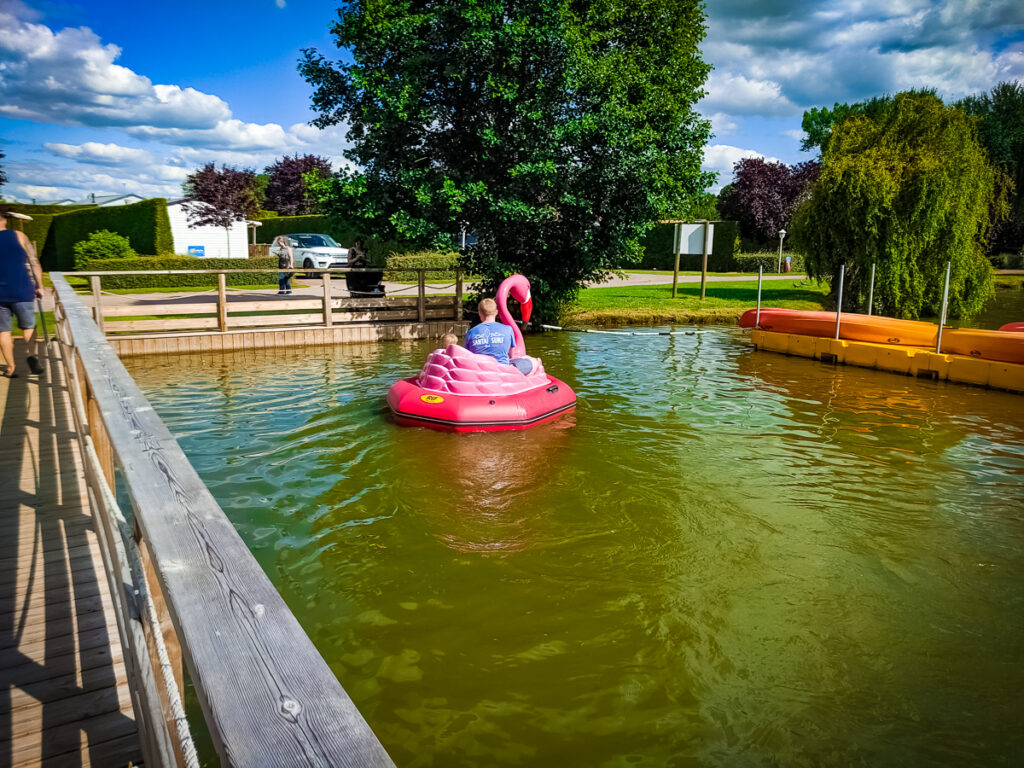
(725, 557)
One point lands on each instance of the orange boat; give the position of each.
(1004, 346)
(854, 327)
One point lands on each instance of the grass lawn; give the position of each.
(725, 302)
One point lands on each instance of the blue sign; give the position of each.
(197, 250)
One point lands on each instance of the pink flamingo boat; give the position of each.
(464, 392)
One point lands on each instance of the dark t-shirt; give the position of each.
(15, 280)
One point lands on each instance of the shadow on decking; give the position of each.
(63, 692)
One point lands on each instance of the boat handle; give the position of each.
(553, 388)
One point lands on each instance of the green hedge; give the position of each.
(289, 225)
(749, 262)
(31, 210)
(397, 264)
(145, 225)
(180, 262)
(659, 254)
(1008, 260)
(38, 229)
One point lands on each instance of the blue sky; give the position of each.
(114, 96)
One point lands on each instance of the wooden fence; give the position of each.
(228, 311)
(186, 588)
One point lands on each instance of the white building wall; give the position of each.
(214, 239)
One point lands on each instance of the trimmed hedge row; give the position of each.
(1008, 260)
(659, 253)
(180, 262)
(145, 224)
(397, 263)
(38, 229)
(749, 262)
(288, 225)
(31, 210)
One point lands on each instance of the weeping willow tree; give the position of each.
(909, 190)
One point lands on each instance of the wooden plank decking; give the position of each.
(64, 699)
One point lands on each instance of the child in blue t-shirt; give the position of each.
(493, 338)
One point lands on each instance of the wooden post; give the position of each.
(97, 308)
(328, 318)
(704, 263)
(421, 302)
(678, 239)
(458, 294)
(222, 303)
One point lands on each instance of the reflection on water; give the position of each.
(725, 558)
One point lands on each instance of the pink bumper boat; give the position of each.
(464, 392)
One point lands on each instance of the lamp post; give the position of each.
(782, 236)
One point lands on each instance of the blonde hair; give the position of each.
(448, 339)
(487, 307)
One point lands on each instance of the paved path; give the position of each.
(65, 699)
(312, 290)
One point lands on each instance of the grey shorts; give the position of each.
(25, 311)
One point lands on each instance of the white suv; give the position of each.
(313, 251)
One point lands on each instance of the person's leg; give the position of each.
(523, 364)
(6, 341)
(26, 314)
(287, 282)
(281, 282)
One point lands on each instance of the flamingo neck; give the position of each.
(519, 350)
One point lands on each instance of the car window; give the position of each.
(316, 241)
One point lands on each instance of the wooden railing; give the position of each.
(221, 313)
(186, 588)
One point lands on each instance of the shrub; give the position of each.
(180, 262)
(102, 245)
(397, 263)
(749, 262)
(659, 253)
(343, 232)
(1008, 260)
(145, 224)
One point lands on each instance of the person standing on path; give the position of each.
(285, 260)
(17, 295)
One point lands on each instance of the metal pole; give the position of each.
(757, 316)
(704, 264)
(871, 291)
(839, 303)
(945, 304)
(781, 238)
(678, 242)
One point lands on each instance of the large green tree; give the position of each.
(557, 130)
(818, 122)
(1000, 116)
(909, 191)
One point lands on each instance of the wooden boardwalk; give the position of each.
(64, 699)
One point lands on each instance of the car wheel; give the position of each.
(307, 264)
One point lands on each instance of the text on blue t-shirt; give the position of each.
(494, 339)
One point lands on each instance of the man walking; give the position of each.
(17, 295)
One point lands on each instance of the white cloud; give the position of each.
(794, 133)
(101, 154)
(777, 58)
(736, 94)
(280, 3)
(69, 77)
(722, 157)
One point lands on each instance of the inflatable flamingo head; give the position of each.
(518, 287)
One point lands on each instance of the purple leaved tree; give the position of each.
(286, 188)
(763, 196)
(220, 198)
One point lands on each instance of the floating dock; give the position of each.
(910, 361)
